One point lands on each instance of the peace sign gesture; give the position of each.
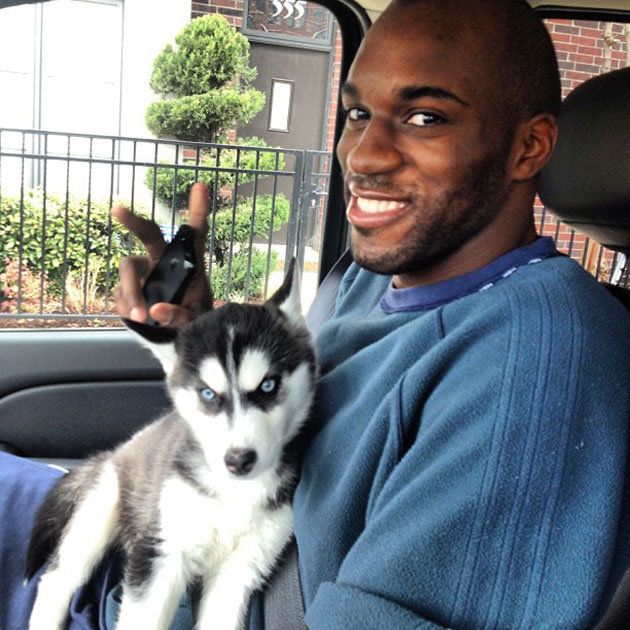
(134, 270)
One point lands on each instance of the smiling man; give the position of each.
(440, 150)
(470, 432)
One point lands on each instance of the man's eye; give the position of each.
(355, 114)
(425, 119)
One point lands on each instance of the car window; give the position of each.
(83, 131)
(587, 48)
(99, 109)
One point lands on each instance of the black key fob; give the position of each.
(169, 279)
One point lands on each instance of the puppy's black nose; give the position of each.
(240, 461)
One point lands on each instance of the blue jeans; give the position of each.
(23, 485)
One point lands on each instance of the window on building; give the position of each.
(280, 106)
(289, 21)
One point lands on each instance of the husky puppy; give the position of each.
(201, 495)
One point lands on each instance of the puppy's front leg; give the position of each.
(226, 591)
(152, 603)
(88, 535)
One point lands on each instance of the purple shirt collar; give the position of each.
(432, 295)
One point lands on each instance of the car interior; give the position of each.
(67, 393)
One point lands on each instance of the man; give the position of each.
(471, 426)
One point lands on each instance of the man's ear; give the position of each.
(288, 297)
(535, 140)
(159, 339)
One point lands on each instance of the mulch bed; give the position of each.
(30, 323)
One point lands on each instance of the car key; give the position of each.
(169, 279)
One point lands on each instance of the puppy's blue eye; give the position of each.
(207, 394)
(268, 386)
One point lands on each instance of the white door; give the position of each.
(17, 91)
(60, 70)
(81, 66)
(80, 89)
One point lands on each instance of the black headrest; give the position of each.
(587, 181)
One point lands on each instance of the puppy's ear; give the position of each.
(159, 339)
(288, 297)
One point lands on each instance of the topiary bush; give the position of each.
(239, 224)
(242, 284)
(204, 81)
(172, 187)
(208, 53)
(169, 181)
(246, 219)
(201, 117)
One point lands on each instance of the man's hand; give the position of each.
(134, 270)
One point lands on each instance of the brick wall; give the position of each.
(231, 9)
(585, 49)
(334, 92)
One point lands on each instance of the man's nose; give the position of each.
(375, 151)
(240, 461)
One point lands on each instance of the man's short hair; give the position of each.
(529, 63)
(523, 53)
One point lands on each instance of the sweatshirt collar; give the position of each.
(432, 295)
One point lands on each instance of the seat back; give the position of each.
(587, 181)
(587, 185)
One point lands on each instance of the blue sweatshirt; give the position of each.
(469, 465)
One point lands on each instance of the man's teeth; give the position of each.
(377, 205)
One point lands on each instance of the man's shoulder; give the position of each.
(563, 288)
(552, 306)
(361, 288)
(556, 287)
(555, 292)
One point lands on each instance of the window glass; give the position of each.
(280, 106)
(293, 18)
(585, 49)
(81, 132)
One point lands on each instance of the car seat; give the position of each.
(587, 185)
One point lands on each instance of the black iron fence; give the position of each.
(59, 250)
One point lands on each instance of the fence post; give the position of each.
(305, 203)
(298, 183)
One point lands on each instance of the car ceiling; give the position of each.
(375, 7)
